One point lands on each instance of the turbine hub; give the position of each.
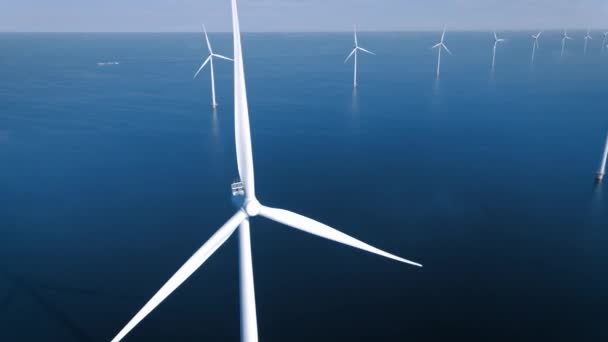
(253, 208)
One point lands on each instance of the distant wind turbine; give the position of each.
(496, 41)
(355, 51)
(564, 38)
(587, 37)
(210, 61)
(440, 46)
(535, 44)
(604, 41)
(602, 171)
(248, 207)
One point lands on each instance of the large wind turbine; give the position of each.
(355, 50)
(440, 46)
(248, 207)
(210, 61)
(564, 38)
(535, 44)
(587, 37)
(602, 171)
(496, 41)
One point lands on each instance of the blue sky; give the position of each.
(298, 15)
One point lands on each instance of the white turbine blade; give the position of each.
(350, 55)
(602, 170)
(185, 271)
(362, 49)
(436, 46)
(443, 34)
(202, 66)
(500, 40)
(495, 36)
(242, 131)
(223, 57)
(319, 229)
(446, 48)
(207, 39)
(355, 30)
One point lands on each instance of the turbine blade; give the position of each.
(362, 49)
(185, 271)
(202, 66)
(319, 229)
(355, 30)
(242, 133)
(349, 55)
(223, 57)
(446, 49)
(436, 45)
(495, 36)
(443, 34)
(207, 39)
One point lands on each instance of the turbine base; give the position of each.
(599, 177)
(238, 194)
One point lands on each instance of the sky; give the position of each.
(298, 15)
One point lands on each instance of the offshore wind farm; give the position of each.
(118, 169)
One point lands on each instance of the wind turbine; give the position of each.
(587, 37)
(564, 38)
(604, 41)
(535, 44)
(496, 41)
(355, 50)
(248, 207)
(210, 61)
(440, 46)
(602, 171)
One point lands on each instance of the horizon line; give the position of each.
(320, 31)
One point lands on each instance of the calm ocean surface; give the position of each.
(111, 177)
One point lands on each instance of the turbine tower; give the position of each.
(602, 171)
(496, 41)
(440, 46)
(535, 44)
(248, 207)
(210, 61)
(587, 37)
(564, 38)
(355, 51)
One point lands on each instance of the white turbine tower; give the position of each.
(248, 207)
(440, 46)
(535, 44)
(587, 37)
(355, 51)
(210, 61)
(496, 41)
(564, 38)
(602, 171)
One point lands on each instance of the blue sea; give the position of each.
(112, 176)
